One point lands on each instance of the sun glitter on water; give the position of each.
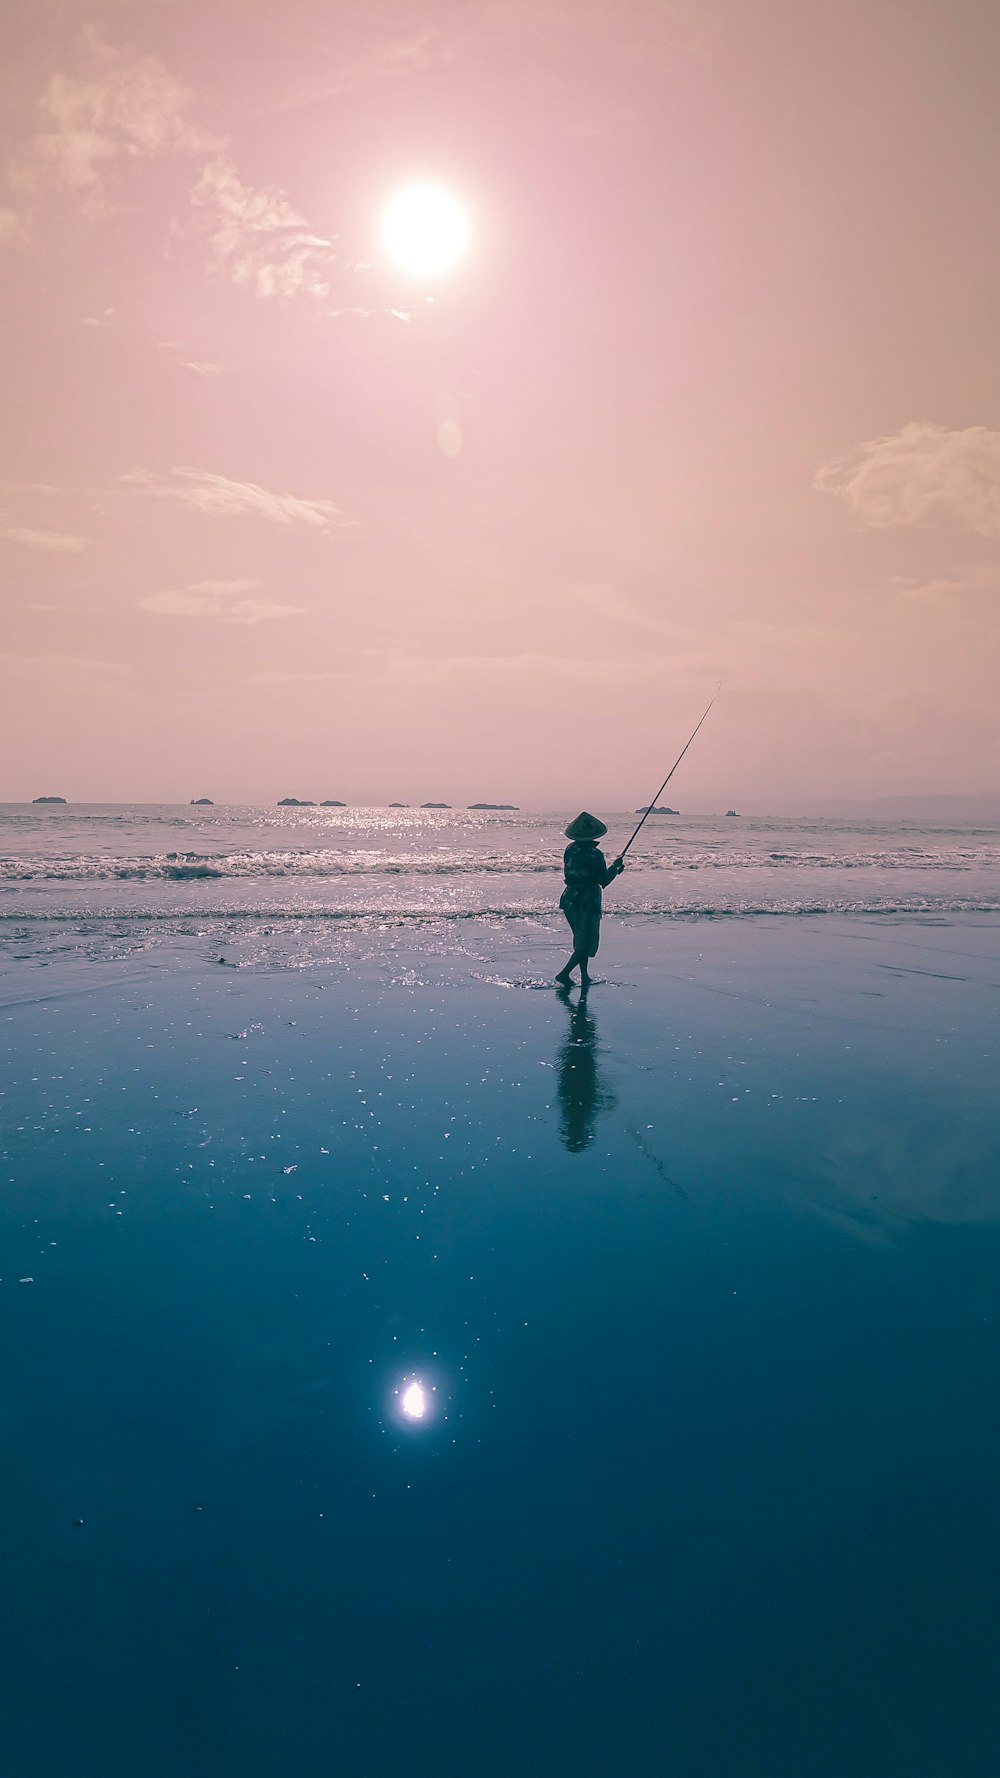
(425, 230)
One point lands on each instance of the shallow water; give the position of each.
(167, 871)
(699, 1280)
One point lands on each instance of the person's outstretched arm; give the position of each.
(612, 870)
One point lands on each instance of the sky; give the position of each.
(712, 395)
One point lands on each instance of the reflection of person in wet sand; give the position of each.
(581, 1094)
(587, 873)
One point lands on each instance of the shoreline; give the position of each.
(311, 939)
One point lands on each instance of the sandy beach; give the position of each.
(699, 1281)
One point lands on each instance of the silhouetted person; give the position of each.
(581, 1095)
(587, 873)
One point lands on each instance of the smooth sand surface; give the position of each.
(699, 1280)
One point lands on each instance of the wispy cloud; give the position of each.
(77, 667)
(257, 238)
(120, 104)
(920, 472)
(199, 367)
(968, 587)
(398, 45)
(408, 670)
(549, 666)
(275, 677)
(658, 25)
(13, 228)
(608, 601)
(232, 601)
(219, 496)
(52, 542)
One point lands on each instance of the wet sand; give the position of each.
(699, 1280)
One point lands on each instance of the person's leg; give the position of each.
(579, 952)
(564, 974)
(587, 947)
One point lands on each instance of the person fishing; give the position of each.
(587, 873)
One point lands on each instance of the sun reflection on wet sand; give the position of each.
(414, 1401)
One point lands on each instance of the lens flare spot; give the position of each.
(449, 436)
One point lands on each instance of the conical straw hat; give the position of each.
(585, 827)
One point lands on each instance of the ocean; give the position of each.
(117, 876)
(408, 1373)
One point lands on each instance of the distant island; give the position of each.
(657, 809)
(435, 805)
(330, 802)
(492, 805)
(733, 812)
(201, 802)
(294, 802)
(399, 805)
(48, 799)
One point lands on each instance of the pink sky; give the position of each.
(722, 358)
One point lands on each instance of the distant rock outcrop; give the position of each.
(658, 809)
(493, 805)
(435, 805)
(294, 802)
(399, 805)
(201, 802)
(48, 799)
(733, 812)
(330, 802)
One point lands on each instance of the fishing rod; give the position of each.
(671, 772)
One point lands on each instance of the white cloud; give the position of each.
(258, 240)
(229, 600)
(123, 104)
(218, 496)
(52, 542)
(918, 473)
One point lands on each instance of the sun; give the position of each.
(425, 230)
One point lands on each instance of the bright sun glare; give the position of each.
(425, 230)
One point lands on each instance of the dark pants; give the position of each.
(585, 925)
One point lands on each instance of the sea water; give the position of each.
(120, 875)
(697, 1280)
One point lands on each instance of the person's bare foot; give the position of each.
(563, 977)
